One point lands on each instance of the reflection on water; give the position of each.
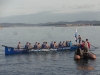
(84, 64)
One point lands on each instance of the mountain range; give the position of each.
(60, 23)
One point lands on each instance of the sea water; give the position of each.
(53, 63)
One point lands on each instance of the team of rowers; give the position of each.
(45, 45)
(83, 45)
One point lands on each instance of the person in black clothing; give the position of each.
(35, 46)
(60, 45)
(52, 45)
(26, 46)
(79, 37)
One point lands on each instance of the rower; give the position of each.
(60, 45)
(55, 45)
(30, 46)
(66, 43)
(47, 46)
(35, 46)
(52, 45)
(70, 44)
(19, 45)
(63, 44)
(26, 46)
(43, 46)
(38, 46)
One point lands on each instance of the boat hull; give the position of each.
(11, 50)
(86, 56)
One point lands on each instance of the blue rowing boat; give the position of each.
(12, 50)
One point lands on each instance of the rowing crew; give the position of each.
(45, 45)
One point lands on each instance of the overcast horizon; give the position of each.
(43, 11)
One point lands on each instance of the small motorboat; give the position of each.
(86, 55)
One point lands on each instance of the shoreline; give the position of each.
(40, 26)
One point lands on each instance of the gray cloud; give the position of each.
(82, 6)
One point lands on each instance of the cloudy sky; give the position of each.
(12, 10)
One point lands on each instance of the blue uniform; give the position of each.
(26, 46)
(43, 46)
(60, 45)
(70, 44)
(35, 47)
(51, 45)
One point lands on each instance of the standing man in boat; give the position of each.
(79, 37)
(87, 46)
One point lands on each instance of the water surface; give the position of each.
(53, 63)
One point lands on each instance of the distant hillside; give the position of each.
(60, 23)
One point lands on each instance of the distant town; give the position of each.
(56, 24)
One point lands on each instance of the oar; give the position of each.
(7, 46)
(11, 47)
(94, 47)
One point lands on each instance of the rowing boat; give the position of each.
(12, 50)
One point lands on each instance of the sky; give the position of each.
(11, 9)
